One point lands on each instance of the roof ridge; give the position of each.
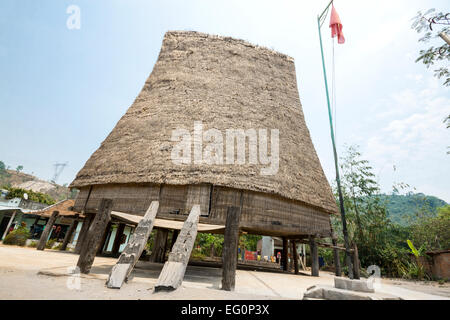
(228, 38)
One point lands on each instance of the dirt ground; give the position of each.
(26, 273)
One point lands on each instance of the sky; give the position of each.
(63, 90)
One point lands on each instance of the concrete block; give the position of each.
(330, 293)
(353, 285)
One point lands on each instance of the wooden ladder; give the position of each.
(122, 269)
(174, 269)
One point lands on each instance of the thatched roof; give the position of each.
(226, 84)
(64, 207)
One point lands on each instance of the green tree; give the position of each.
(431, 25)
(210, 244)
(433, 231)
(2, 166)
(33, 196)
(358, 184)
(379, 241)
(447, 121)
(250, 241)
(19, 168)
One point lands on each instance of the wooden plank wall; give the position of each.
(262, 213)
(130, 198)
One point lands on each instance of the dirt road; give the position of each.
(26, 273)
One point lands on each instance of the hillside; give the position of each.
(404, 209)
(12, 178)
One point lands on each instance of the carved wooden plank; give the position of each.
(230, 247)
(173, 271)
(47, 230)
(91, 243)
(69, 233)
(122, 269)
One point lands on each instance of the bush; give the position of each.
(197, 255)
(415, 271)
(17, 237)
(33, 244)
(50, 243)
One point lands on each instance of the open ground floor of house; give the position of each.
(27, 273)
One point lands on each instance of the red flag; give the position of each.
(336, 26)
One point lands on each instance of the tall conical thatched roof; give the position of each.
(226, 84)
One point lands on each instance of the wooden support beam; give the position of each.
(295, 256)
(9, 225)
(48, 228)
(84, 231)
(159, 246)
(325, 245)
(337, 260)
(130, 255)
(174, 238)
(103, 239)
(230, 248)
(118, 239)
(93, 238)
(314, 257)
(173, 271)
(356, 265)
(69, 233)
(284, 256)
(290, 256)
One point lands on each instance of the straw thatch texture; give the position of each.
(226, 84)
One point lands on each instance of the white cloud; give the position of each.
(413, 138)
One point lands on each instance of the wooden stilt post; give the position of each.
(35, 223)
(159, 247)
(69, 233)
(48, 228)
(304, 256)
(130, 255)
(83, 232)
(230, 248)
(291, 256)
(173, 271)
(295, 256)
(174, 238)
(337, 260)
(9, 225)
(93, 238)
(301, 256)
(103, 239)
(117, 239)
(314, 257)
(284, 256)
(356, 273)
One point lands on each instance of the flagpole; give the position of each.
(338, 180)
